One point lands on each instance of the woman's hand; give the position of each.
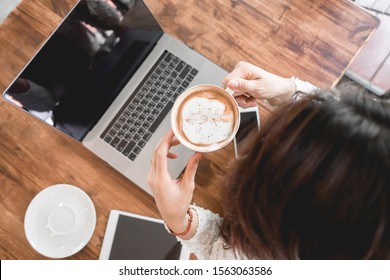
(252, 84)
(173, 196)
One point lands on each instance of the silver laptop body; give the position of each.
(98, 138)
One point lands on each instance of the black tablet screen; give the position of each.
(137, 239)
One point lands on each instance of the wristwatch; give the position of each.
(301, 88)
(187, 229)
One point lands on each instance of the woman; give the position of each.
(314, 184)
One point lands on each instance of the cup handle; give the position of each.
(230, 91)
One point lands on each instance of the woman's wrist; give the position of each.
(285, 89)
(289, 89)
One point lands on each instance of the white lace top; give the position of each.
(206, 243)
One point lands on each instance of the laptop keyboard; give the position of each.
(153, 99)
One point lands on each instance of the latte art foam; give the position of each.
(206, 121)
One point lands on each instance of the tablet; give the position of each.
(134, 237)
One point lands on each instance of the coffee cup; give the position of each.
(205, 118)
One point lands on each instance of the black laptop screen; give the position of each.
(80, 70)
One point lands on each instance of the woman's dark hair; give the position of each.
(315, 183)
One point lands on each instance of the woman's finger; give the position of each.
(161, 153)
(245, 102)
(175, 142)
(190, 171)
(172, 155)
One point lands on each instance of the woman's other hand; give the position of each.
(252, 84)
(172, 196)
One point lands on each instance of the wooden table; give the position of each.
(314, 40)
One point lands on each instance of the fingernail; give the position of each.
(233, 84)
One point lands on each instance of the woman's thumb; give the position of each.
(242, 85)
(192, 166)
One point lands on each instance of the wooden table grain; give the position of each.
(314, 40)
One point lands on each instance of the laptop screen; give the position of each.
(84, 65)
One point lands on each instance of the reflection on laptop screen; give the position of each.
(85, 63)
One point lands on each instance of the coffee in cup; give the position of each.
(205, 118)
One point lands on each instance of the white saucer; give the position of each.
(60, 221)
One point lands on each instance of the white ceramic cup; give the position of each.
(205, 118)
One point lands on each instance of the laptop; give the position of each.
(108, 77)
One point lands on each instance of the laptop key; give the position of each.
(141, 95)
(153, 90)
(108, 138)
(146, 124)
(156, 98)
(147, 136)
(160, 117)
(139, 108)
(150, 118)
(151, 105)
(133, 130)
(132, 156)
(137, 123)
(185, 84)
(126, 114)
(137, 150)
(180, 66)
(129, 148)
(122, 144)
(142, 117)
(112, 132)
(128, 136)
(163, 64)
(115, 141)
(189, 78)
(177, 82)
(159, 106)
(136, 137)
(117, 126)
(155, 112)
(141, 143)
(131, 107)
(136, 101)
(141, 131)
(194, 72)
(121, 133)
(176, 59)
(134, 115)
(125, 127)
(130, 121)
(186, 70)
(180, 90)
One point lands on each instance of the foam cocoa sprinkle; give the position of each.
(206, 121)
